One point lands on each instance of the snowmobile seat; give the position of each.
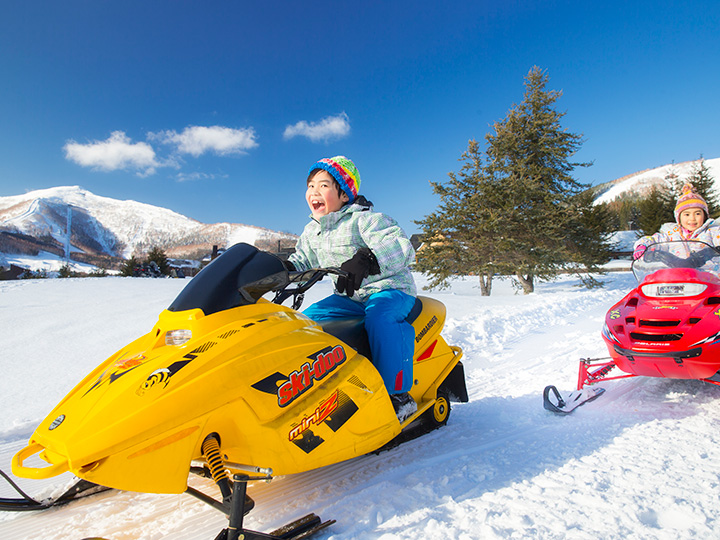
(352, 330)
(415, 311)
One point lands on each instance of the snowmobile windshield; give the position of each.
(686, 254)
(238, 277)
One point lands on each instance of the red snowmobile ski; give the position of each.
(668, 326)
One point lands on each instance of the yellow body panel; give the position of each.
(277, 390)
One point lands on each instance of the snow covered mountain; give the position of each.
(642, 182)
(106, 227)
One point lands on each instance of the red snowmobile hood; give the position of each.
(681, 275)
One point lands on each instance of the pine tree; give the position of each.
(459, 238)
(515, 209)
(529, 159)
(65, 271)
(625, 212)
(621, 210)
(655, 209)
(672, 188)
(704, 184)
(129, 267)
(589, 244)
(157, 255)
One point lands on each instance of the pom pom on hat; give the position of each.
(689, 199)
(343, 171)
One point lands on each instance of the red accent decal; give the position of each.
(398, 380)
(427, 353)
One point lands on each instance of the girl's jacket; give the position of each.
(336, 237)
(709, 233)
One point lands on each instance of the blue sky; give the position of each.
(216, 109)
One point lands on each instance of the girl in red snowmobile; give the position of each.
(692, 222)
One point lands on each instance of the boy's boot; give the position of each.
(404, 405)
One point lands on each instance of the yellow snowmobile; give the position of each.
(230, 381)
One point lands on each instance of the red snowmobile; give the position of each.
(668, 326)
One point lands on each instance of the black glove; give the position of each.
(289, 266)
(360, 266)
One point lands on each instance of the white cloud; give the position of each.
(331, 127)
(117, 152)
(191, 177)
(197, 140)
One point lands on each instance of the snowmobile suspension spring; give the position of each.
(600, 373)
(211, 451)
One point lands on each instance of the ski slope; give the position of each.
(641, 462)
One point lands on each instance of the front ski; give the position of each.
(301, 528)
(297, 530)
(81, 488)
(554, 402)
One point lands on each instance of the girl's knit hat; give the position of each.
(343, 171)
(689, 199)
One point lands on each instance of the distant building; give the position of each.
(183, 267)
(416, 241)
(11, 272)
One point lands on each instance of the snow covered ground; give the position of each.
(641, 462)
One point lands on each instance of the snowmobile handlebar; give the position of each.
(695, 260)
(303, 281)
(691, 254)
(313, 275)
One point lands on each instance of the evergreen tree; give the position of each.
(459, 238)
(515, 209)
(65, 271)
(655, 209)
(157, 255)
(129, 266)
(704, 184)
(589, 241)
(673, 187)
(529, 160)
(625, 212)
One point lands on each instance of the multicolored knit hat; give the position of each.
(343, 171)
(689, 199)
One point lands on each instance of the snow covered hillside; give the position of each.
(118, 228)
(642, 182)
(641, 462)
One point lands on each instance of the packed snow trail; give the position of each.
(639, 462)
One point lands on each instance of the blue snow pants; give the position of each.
(391, 337)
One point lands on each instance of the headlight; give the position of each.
(608, 334)
(673, 289)
(177, 337)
